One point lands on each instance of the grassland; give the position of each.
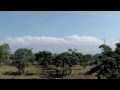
(33, 72)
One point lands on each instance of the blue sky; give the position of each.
(57, 31)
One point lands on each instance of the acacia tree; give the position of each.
(44, 58)
(64, 61)
(86, 60)
(79, 56)
(108, 66)
(82, 60)
(22, 58)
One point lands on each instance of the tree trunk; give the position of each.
(70, 71)
(98, 76)
(22, 72)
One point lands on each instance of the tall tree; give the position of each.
(107, 66)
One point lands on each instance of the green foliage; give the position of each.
(22, 58)
(86, 60)
(96, 59)
(44, 58)
(109, 63)
(64, 61)
(4, 54)
(84, 64)
(66, 58)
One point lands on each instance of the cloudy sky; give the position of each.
(57, 31)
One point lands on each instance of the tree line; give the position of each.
(106, 64)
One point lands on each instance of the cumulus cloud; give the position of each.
(74, 39)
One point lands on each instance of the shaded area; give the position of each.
(18, 73)
(51, 74)
(77, 69)
(12, 73)
(30, 74)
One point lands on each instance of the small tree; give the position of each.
(44, 58)
(22, 58)
(64, 62)
(84, 64)
(86, 60)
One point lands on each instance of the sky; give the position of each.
(57, 31)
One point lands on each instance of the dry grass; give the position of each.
(32, 72)
(78, 72)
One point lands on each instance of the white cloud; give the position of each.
(74, 39)
(85, 39)
(117, 41)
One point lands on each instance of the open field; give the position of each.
(32, 72)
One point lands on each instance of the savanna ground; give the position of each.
(33, 72)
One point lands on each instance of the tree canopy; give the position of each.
(109, 65)
(22, 58)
